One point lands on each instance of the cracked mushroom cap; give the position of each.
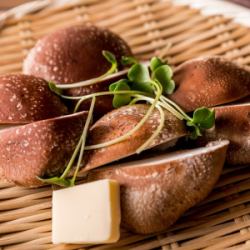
(26, 99)
(233, 123)
(120, 121)
(209, 82)
(156, 191)
(74, 54)
(39, 149)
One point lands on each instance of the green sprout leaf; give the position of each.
(56, 181)
(53, 88)
(128, 60)
(120, 100)
(204, 117)
(139, 73)
(143, 87)
(155, 63)
(163, 74)
(110, 57)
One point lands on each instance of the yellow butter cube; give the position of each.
(87, 213)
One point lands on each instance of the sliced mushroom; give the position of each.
(120, 121)
(26, 99)
(39, 149)
(210, 81)
(74, 54)
(233, 123)
(155, 192)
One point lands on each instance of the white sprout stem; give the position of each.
(111, 73)
(88, 82)
(137, 127)
(74, 155)
(171, 110)
(162, 104)
(72, 159)
(84, 98)
(84, 136)
(156, 132)
(167, 100)
(71, 97)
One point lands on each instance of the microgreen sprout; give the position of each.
(157, 83)
(142, 84)
(128, 60)
(58, 88)
(79, 149)
(203, 118)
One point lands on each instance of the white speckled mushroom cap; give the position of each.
(209, 82)
(156, 191)
(26, 99)
(233, 123)
(74, 54)
(39, 148)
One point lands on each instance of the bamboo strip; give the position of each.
(8, 228)
(34, 217)
(233, 178)
(24, 236)
(218, 207)
(210, 44)
(174, 238)
(17, 213)
(230, 241)
(37, 244)
(14, 192)
(202, 244)
(17, 203)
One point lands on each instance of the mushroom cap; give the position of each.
(233, 123)
(210, 81)
(120, 121)
(26, 99)
(156, 191)
(39, 149)
(74, 54)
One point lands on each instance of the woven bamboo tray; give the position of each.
(151, 27)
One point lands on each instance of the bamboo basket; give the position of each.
(151, 27)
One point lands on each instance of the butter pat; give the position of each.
(87, 213)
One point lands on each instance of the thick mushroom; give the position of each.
(233, 123)
(120, 121)
(209, 82)
(39, 149)
(74, 54)
(26, 99)
(155, 192)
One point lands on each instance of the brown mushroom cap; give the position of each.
(120, 121)
(39, 149)
(210, 82)
(155, 192)
(74, 54)
(26, 99)
(233, 123)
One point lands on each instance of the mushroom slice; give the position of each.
(26, 99)
(233, 123)
(39, 149)
(119, 122)
(210, 81)
(156, 191)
